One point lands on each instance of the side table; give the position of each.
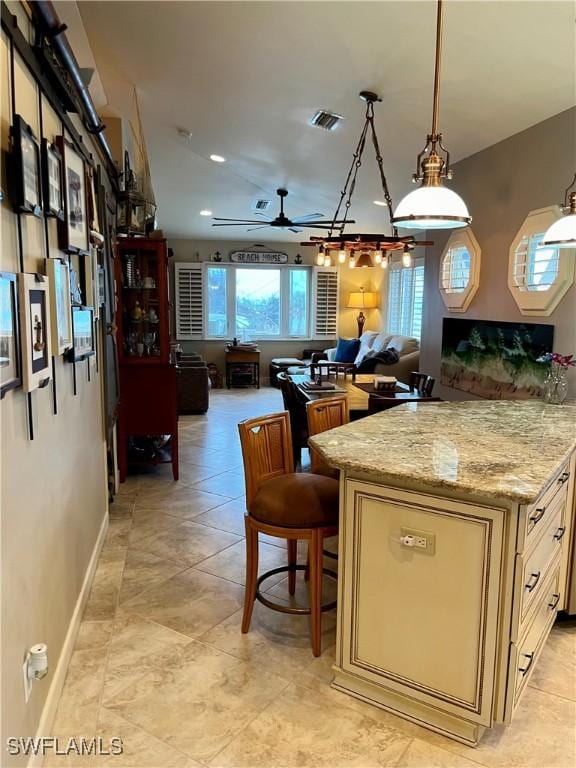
(242, 367)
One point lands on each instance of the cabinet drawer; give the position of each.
(534, 517)
(524, 654)
(532, 568)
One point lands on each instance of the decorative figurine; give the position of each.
(136, 313)
(152, 316)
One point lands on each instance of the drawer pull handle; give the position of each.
(530, 657)
(540, 512)
(555, 601)
(559, 533)
(536, 577)
(563, 477)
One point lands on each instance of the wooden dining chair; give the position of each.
(289, 505)
(296, 407)
(422, 382)
(323, 414)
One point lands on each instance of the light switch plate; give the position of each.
(424, 541)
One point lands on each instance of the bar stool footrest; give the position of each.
(285, 608)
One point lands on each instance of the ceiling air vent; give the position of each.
(326, 120)
(262, 205)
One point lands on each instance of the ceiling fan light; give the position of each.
(431, 207)
(562, 234)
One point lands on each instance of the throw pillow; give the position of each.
(404, 345)
(346, 350)
(365, 345)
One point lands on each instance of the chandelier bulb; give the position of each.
(378, 257)
(384, 262)
(327, 260)
(406, 258)
(320, 259)
(342, 256)
(352, 262)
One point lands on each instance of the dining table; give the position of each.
(359, 390)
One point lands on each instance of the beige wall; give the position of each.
(53, 493)
(350, 280)
(501, 185)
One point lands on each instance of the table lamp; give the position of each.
(362, 300)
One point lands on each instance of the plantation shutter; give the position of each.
(189, 301)
(405, 299)
(325, 303)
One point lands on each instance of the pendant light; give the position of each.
(562, 234)
(433, 206)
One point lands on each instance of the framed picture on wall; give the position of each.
(60, 305)
(83, 334)
(25, 169)
(75, 286)
(94, 228)
(10, 368)
(53, 188)
(73, 231)
(35, 328)
(87, 277)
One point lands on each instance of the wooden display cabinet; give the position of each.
(148, 402)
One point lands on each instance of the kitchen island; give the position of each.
(455, 555)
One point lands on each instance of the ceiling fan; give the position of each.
(281, 221)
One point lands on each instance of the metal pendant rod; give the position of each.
(435, 107)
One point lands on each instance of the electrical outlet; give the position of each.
(423, 541)
(27, 680)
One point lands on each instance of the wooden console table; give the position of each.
(240, 361)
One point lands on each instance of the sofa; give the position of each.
(193, 384)
(407, 347)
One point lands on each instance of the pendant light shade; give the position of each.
(562, 234)
(433, 207)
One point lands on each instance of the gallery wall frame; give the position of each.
(10, 354)
(52, 180)
(73, 230)
(36, 349)
(24, 165)
(84, 343)
(58, 272)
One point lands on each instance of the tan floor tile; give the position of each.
(139, 748)
(299, 729)
(137, 648)
(93, 634)
(185, 502)
(149, 522)
(191, 602)
(422, 755)
(227, 517)
(230, 484)
(231, 562)
(277, 642)
(187, 543)
(143, 571)
(103, 597)
(122, 506)
(199, 706)
(118, 531)
(556, 669)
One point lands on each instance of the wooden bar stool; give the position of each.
(289, 505)
(323, 414)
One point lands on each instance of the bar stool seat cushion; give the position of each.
(298, 500)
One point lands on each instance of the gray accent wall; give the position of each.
(501, 185)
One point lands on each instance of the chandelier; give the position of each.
(362, 250)
(433, 206)
(562, 234)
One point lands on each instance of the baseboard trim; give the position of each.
(53, 697)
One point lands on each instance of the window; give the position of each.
(539, 276)
(536, 267)
(405, 299)
(460, 270)
(257, 302)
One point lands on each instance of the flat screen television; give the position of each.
(494, 359)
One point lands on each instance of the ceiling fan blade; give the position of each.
(237, 221)
(253, 229)
(295, 229)
(268, 218)
(309, 217)
(238, 224)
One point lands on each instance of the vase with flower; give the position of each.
(556, 381)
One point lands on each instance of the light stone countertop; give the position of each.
(505, 449)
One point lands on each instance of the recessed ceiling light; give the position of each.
(217, 159)
(205, 212)
(380, 202)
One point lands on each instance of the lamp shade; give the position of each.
(362, 300)
(562, 234)
(431, 207)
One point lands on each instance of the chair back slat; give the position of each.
(326, 413)
(266, 450)
(422, 382)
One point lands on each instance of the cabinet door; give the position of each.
(422, 622)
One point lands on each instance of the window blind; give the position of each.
(535, 267)
(189, 301)
(405, 300)
(325, 303)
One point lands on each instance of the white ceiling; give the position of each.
(245, 78)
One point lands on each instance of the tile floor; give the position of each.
(160, 661)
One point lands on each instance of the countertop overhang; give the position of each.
(499, 449)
